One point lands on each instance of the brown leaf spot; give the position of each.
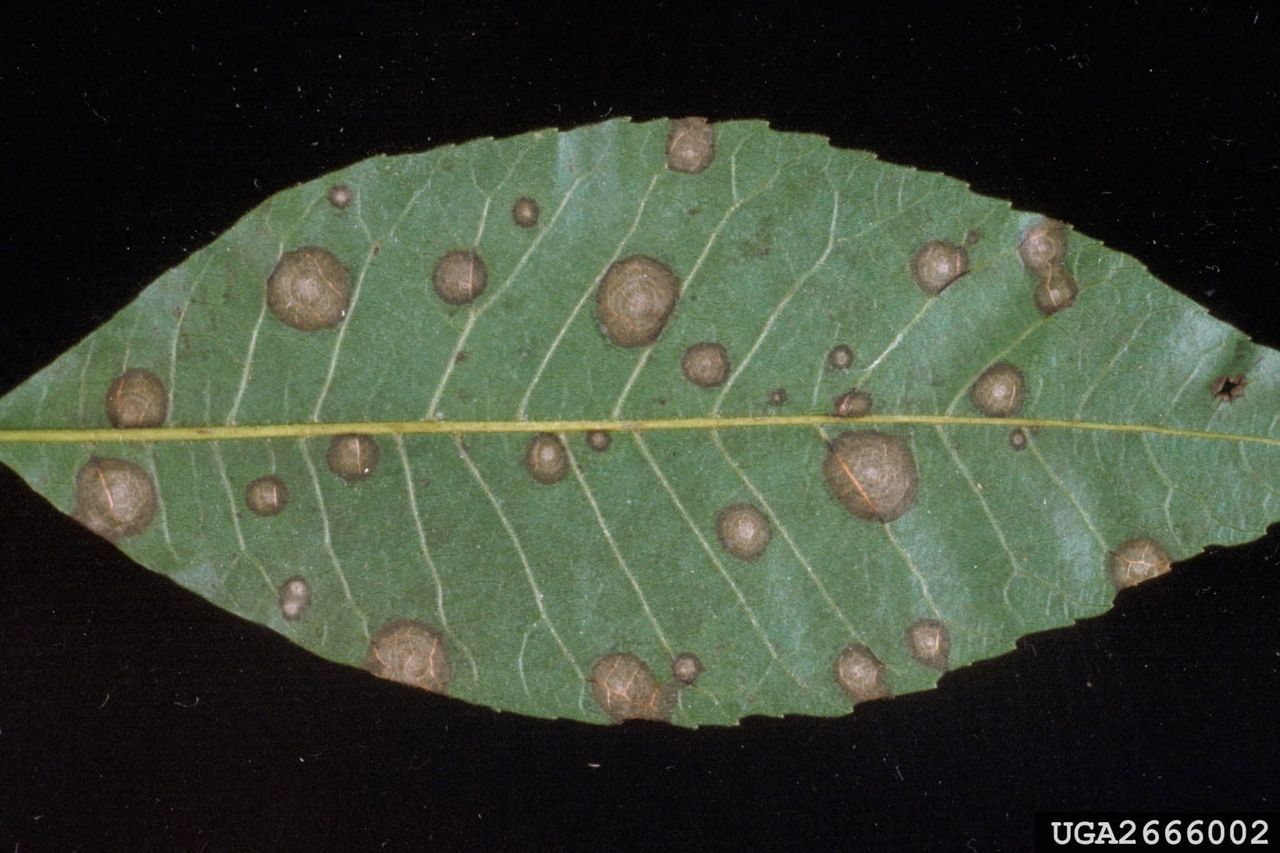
(309, 289)
(294, 598)
(352, 456)
(410, 652)
(840, 357)
(625, 688)
(872, 474)
(1044, 246)
(853, 404)
(137, 398)
(706, 364)
(929, 643)
(525, 212)
(599, 440)
(937, 264)
(267, 495)
(686, 667)
(114, 498)
(691, 145)
(777, 397)
(635, 300)
(546, 459)
(459, 277)
(860, 674)
(340, 196)
(1017, 439)
(1000, 391)
(743, 530)
(1136, 560)
(1056, 291)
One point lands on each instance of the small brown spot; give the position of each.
(352, 456)
(743, 530)
(114, 498)
(1056, 291)
(1000, 391)
(459, 277)
(308, 289)
(295, 598)
(267, 495)
(546, 459)
(341, 196)
(930, 643)
(460, 357)
(525, 212)
(840, 357)
(972, 238)
(706, 364)
(853, 404)
(860, 674)
(1044, 246)
(1137, 560)
(872, 474)
(599, 440)
(137, 398)
(1017, 439)
(1228, 389)
(686, 668)
(410, 652)
(625, 688)
(777, 397)
(635, 300)
(937, 264)
(691, 145)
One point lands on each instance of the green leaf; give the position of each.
(784, 249)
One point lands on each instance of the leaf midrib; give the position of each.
(247, 432)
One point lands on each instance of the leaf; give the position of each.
(784, 248)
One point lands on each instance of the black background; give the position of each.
(133, 715)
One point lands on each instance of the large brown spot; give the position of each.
(267, 495)
(546, 459)
(1000, 391)
(1136, 560)
(114, 498)
(309, 289)
(872, 474)
(352, 456)
(626, 689)
(1057, 290)
(691, 145)
(937, 264)
(294, 598)
(407, 651)
(635, 300)
(860, 674)
(706, 364)
(929, 643)
(743, 530)
(1044, 246)
(137, 398)
(459, 277)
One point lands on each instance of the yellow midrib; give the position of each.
(305, 430)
